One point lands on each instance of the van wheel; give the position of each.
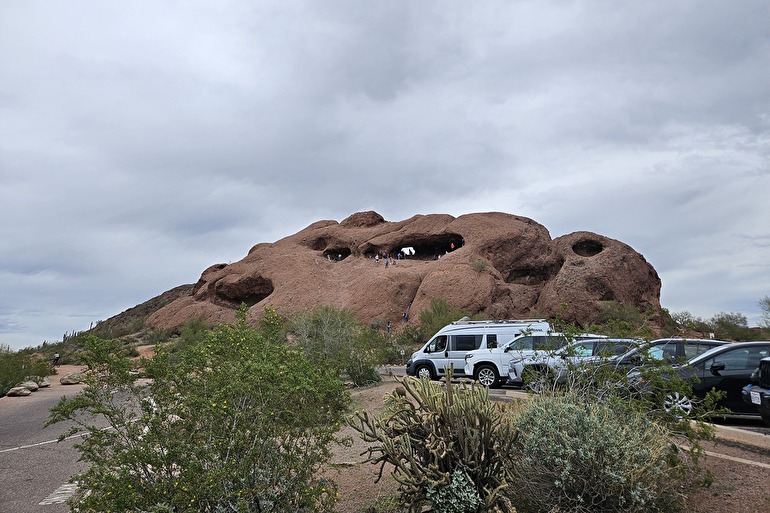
(423, 371)
(487, 376)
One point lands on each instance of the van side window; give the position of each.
(466, 342)
(491, 340)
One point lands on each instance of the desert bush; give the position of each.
(333, 338)
(623, 320)
(437, 316)
(15, 367)
(239, 423)
(157, 337)
(480, 265)
(450, 449)
(192, 332)
(582, 457)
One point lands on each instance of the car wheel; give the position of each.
(487, 376)
(766, 418)
(678, 404)
(423, 371)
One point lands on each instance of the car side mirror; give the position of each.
(716, 367)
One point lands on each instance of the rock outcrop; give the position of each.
(496, 264)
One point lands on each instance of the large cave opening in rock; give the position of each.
(588, 248)
(337, 254)
(423, 248)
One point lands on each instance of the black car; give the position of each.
(757, 393)
(726, 368)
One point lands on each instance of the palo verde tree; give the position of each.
(333, 338)
(238, 423)
(764, 305)
(439, 315)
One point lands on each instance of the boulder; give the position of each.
(18, 392)
(30, 385)
(42, 382)
(499, 265)
(72, 378)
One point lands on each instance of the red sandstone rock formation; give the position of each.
(499, 265)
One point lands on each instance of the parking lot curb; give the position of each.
(743, 437)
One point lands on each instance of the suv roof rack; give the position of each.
(465, 320)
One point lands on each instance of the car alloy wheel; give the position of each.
(487, 376)
(678, 404)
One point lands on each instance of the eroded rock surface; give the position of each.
(497, 264)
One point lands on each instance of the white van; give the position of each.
(450, 344)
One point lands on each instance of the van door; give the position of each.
(437, 352)
(459, 345)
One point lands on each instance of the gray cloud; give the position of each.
(141, 142)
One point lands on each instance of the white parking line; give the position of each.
(60, 495)
(77, 435)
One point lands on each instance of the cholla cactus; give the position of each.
(442, 442)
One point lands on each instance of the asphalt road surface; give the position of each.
(34, 468)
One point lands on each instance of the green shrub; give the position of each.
(192, 332)
(439, 315)
(450, 449)
(239, 423)
(459, 496)
(15, 367)
(333, 338)
(480, 265)
(584, 457)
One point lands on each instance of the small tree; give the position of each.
(439, 315)
(764, 306)
(332, 337)
(238, 424)
(730, 326)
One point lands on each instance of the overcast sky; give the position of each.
(142, 141)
